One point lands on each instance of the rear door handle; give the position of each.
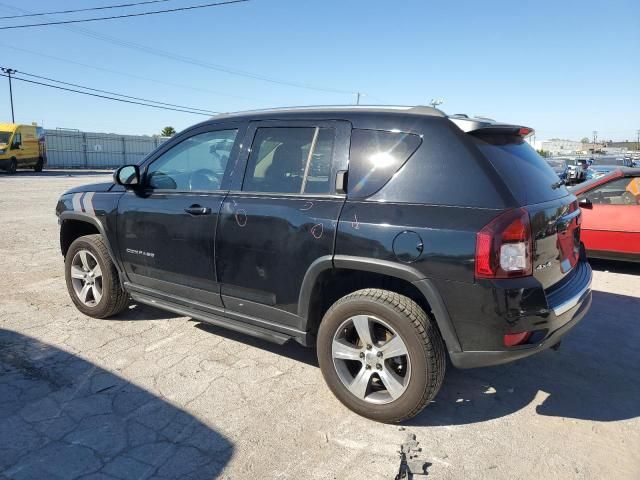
(197, 210)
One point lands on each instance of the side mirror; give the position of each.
(584, 202)
(127, 176)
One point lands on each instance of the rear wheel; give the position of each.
(13, 166)
(381, 355)
(92, 278)
(39, 165)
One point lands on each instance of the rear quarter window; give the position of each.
(374, 158)
(527, 175)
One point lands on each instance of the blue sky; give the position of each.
(565, 68)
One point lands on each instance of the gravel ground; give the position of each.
(151, 395)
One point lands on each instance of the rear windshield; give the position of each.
(529, 177)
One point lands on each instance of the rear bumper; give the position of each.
(566, 307)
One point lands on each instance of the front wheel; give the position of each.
(381, 355)
(38, 167)
(13, 166)
(92, 278)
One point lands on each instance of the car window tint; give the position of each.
(375, 156)
(317, 179)
(195, 164)
(621, 191)
(279, 160)
(528, 176)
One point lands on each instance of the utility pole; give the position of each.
(9, 71)
(357, 98)
(637, 139)
(595, 137)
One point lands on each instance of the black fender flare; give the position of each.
(85, 217)
(392, 269)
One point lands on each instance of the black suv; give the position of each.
(386, 237)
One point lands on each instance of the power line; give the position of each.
(105, 7)
(181, 58)
(113, 93)
(113, 17)
(126, 74)
(106, 97)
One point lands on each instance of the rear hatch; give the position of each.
(553, 212)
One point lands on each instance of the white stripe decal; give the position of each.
(87, 201)
(76, 202)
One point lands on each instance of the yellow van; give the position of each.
(21, 146)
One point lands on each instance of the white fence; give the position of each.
(76, 149)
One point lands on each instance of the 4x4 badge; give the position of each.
(543, 265)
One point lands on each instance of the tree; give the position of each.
(585, 140)
(168, 132)
(543, 153)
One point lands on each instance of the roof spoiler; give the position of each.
(483, 125)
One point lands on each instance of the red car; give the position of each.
(611, 214)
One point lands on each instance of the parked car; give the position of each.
(559, 166)
(21, 146)
(345, 228)
(597, 171)
(611, 214)
(577, 171)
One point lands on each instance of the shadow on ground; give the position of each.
(593, 376)
(629, 268)
(63, 417)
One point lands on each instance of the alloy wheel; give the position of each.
(86, 278)
(371, 359)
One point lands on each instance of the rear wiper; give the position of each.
(558, 184)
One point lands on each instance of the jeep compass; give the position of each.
(387, 237)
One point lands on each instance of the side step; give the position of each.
(218, 320)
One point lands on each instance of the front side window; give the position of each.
(290, 160)
(17, 140)
(622, 191)
(195, 164)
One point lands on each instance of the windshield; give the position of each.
(4, 137)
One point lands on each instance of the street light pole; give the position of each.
(9, 71)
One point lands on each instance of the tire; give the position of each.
(629, 199)
(103, 298)
(39, 165)
(424, 361)
(13, 166)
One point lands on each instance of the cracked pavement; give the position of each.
(148, 394)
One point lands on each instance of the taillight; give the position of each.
(503, 247)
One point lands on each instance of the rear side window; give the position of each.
(529, 177)
(290, 160)
(375, 156)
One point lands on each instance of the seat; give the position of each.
(284, 175)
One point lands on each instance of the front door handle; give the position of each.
(197, 210)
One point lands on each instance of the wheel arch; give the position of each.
(311, 307)
(77, 224)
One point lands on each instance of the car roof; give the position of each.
(345, 110)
